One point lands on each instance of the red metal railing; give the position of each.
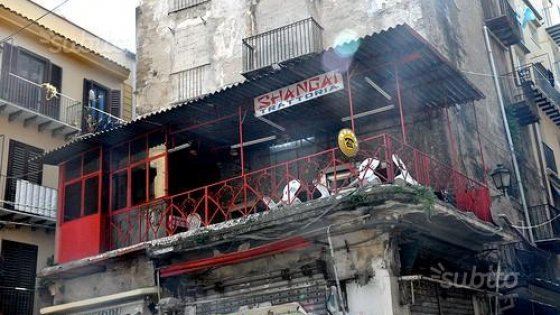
(319, 174)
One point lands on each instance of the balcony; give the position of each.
(537, 84)
(95, 120)
(546, 229)
(34, 205)
(33, 104)
(281, 44)
(303, 180)
(501, 19)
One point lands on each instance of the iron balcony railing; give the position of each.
(501, 18)
(176, 5)
(308, 178)
(96, 120)
(36, 97)
(545, 221)
(35, 199)
(298, 39)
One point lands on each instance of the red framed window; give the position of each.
(138, 171)
(82, 185)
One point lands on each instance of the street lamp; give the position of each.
(501, 176)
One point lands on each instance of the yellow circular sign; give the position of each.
(348, 142)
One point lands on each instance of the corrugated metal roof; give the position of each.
(381, 48)
(66, 39)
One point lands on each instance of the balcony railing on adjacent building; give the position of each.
(319, 175)
(275, 46)
(96, 120)
(38, 104)
(35, 199)
(538, 84)
(34, 97)
(502, 20)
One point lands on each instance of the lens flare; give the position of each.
(346, 43)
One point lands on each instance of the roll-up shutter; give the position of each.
(19, 269)
(309, 292)
(431, 298)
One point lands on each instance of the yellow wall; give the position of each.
(70, 30)
(74, 71)
(76, 66)
(40, 238)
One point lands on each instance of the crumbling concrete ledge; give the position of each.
(388, 205)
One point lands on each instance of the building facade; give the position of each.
(238, 194)
(47, 69)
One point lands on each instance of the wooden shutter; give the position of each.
(20, 267)
(115, 103)
(127, 102)
(54, 78)
(9, 57)
(24, 163)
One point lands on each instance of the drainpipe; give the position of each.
(337, 280)
(508, 132)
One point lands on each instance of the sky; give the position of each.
(116, 25)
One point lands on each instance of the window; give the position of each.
(176, 5)
(191, 83)
(549, 158)
(102, 105)
(138, 171)
(20, 67)
(31, 67)
(19, 267)
(24, 162)
(82, 185)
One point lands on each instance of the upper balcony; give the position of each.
(551, 24)
(536, 90)
(39, 105)
(278, 45)
(501, 19)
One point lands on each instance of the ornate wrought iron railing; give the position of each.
(300, 38)
(317, 176)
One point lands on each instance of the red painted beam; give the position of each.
(236, 257)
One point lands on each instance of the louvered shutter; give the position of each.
(54, 78)
(24, 162)
(20, 267)
(127, 102)
(9, 56)
(115, 105)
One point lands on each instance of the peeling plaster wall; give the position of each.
(212, 33)
(121, 276)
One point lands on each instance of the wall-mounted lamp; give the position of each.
(501, 176)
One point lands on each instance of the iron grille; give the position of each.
(17, 283)
(543, 218)
(300, 38)
(177, 5)
(191, 83)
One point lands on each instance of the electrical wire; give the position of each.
(528, 227)
(11, 36)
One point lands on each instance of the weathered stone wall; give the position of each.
(119, 276)
(212, 33)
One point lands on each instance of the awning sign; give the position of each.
(300, 92)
